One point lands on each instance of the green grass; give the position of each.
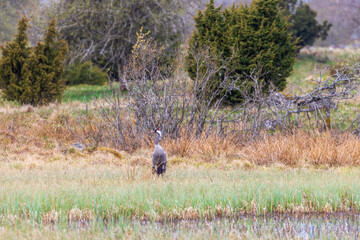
(85, 93)
(87, 197)
(308, 66)
(81, 93)
(306, 69)
(190, 194)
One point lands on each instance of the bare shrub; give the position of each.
(156, 98)
(278, 111)
(162, 96)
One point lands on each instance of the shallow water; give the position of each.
(315, 226)
(339, 226)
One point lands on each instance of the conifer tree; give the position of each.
(245, 38)
(33, 76)
(15, 75)
(209, 37)
(48, 67)
(305, 26)
(303, 23)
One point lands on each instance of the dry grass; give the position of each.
(306, 148)
(36, 135)
(297, 149)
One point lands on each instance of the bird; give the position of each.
(159, 158)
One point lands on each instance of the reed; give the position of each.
(80, 195)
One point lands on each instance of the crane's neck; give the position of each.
(157, 139)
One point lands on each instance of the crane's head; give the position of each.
(158, 132)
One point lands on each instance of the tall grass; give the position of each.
(295, 149)
(82, 195)
(40, 133)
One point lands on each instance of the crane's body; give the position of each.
(159, 158)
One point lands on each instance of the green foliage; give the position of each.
(15, 66)
(33, 76)
(244, 39)
(49, 67)
(85, 73)
(303, 23)
(288, 6)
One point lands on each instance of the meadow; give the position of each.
(213, 188)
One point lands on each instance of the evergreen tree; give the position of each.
(289, 6)
(209, 36)
(246, 38)
(48, 67)
(15, 75)
(303, 23)
(33, 76)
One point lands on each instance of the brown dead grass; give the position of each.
(301, 148)
(306, 148)
(39, 134)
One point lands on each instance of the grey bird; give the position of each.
(159, 158)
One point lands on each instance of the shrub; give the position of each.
(49, 67)
(14, 66)
(85, 73)
(33, 76)
(244, 39)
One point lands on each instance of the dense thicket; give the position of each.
(303, 23)
(245, 40)
(85, 73)
(33, 75)
(104, 31)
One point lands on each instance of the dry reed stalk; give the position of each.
(206, 147)
(279, 148)
(296, 149)
(315, 148)
(217, 146)
(182, 146)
